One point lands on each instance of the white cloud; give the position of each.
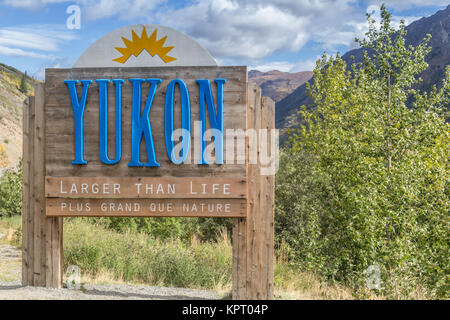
(22, 53)
(125, 9)
(55, 62)
(97, 9)
(253, 30)
(237, 31)
(283, 66)
(37, 37)
(360, 27)
(25, 41)
(305, 65)
(406, 4)
(286, 66)
(31, 4)
(250, 29)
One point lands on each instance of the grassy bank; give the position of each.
(10, 230)
(135, 257)
(10, 262)
(107, 256)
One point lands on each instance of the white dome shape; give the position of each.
(146, 45)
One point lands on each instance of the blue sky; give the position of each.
(288, 35)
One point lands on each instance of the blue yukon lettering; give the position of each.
(78, 107)
(185, 121)
(103, 120)
(140, 121)
(215, 118)
(140, 125)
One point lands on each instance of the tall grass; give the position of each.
(10, 228)
(137, 257)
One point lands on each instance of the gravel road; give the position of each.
(11, 288)
(14, 291)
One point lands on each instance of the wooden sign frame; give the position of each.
(252, 214)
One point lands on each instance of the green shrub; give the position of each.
(206, 229)
(11, 192)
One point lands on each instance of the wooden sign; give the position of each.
(116, 160)
(147, 125)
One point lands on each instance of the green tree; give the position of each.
(23, 84)
(11, 192)
(366, 179)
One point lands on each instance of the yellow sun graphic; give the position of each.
(138, 44)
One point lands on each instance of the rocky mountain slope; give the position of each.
(11, 102)
(438, 25)
(276, 84)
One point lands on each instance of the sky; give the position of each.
(286, 35)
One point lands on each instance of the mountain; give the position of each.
(438, 25)
(276, 84)
(11, 102)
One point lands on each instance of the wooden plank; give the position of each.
(31, 217)
(48, 252)
(95, 168)
(227, 208)
(39, 198)
(240, 233)
(146, 187)
(60, 137)
(253, 217)
(31, 238)
(235, 259)
(267, 205)
(239, 268)
(54, 252)
(58, 252)
(27, 274)
(239, 271)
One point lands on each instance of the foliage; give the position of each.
(10, 79)
(205, 229)
(11, 192)
(3, 156)
(137, 257)
(366, 179)
(23, 84)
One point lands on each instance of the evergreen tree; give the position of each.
(23, 84)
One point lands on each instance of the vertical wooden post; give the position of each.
(267, 203)
(253, 237)
(239, 279)
(254, 216)
(27, 223)
(42, 236)
(38, 190)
